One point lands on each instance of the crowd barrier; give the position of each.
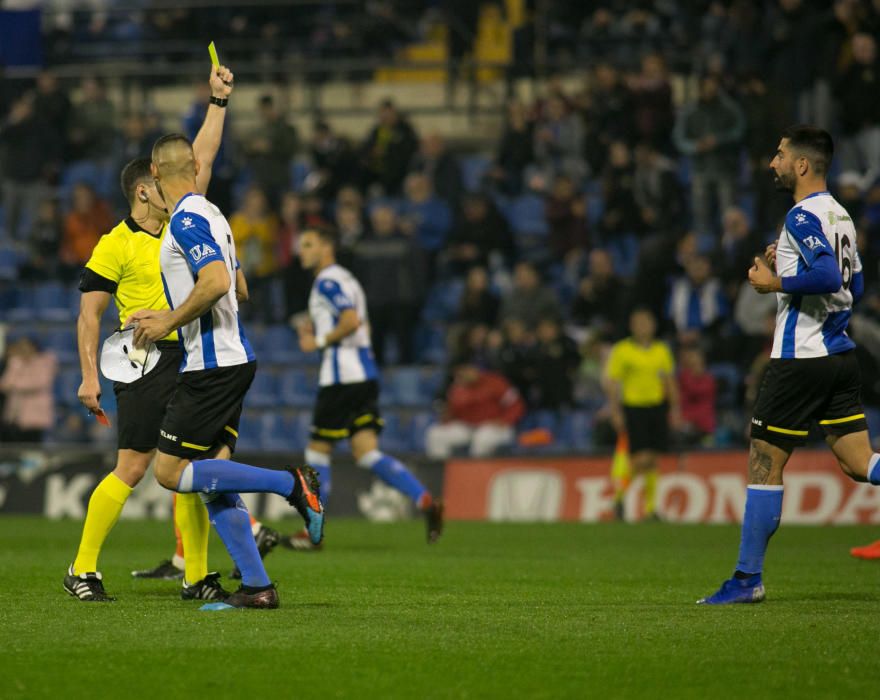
(696, 487)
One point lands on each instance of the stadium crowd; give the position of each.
(519, 264)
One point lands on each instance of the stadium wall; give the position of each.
(698, 487)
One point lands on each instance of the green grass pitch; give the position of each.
(506, 611)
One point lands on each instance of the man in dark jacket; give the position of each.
(710, 131)
(388, 150)
(270, 151)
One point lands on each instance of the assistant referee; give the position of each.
(643, 398)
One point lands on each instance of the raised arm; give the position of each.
(207, 141)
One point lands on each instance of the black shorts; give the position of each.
(795, 393)
(343, 409)
(141, 404)
(205, 410)
(647, 427)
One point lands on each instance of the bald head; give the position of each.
(173, 158)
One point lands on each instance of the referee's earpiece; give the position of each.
(143, 197)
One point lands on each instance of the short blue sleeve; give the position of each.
(806, 229)
(193, 233)
(332, 292)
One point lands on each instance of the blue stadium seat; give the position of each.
(728, 381)
(419, 425)
(62, 342)
(299, 171)
(9, 261)
(250, 431)
(443, 301)
(526, 216)
(264, 392)
(25, 308)
(53, 301)
(473, 170)
(299, 387)
(624, 249)
(395, 433)
(66, 385)
(296, 430)
(406, 383)
(280, 345)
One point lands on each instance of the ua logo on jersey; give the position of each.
(199, 251)
(812, 242)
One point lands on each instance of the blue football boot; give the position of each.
(737, 590)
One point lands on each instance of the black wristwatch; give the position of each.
(219, 101)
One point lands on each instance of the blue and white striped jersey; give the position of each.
(199, 234)
(351, 360)
(814, 325)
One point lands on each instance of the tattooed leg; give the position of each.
(766, 463)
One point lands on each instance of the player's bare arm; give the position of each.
(212, 284)
(763, 279)
(673, 399)
(88, 328)
(612, 391)
(349, 322)
(207, 141)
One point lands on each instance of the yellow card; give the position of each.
(213, 52)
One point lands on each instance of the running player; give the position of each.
(348, 398)
(200, 426)
(125, 266)
(813, 374)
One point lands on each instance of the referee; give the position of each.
(124, 266)
(643, 397)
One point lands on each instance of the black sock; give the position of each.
(740, 575)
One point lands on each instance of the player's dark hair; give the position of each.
(133, 174)
(814, 143)
(163, 141)
(326, 234)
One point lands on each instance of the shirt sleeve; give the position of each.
(107, 260)
(332, 292)
(667, 365)
(805, 229)
(614, 368)
(193, 234)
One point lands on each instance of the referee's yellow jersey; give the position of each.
(641, 371)
(128, 257)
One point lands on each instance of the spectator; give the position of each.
(656, 191)
(391, 269)
(514, 354)
(697, 390)
(441, 167)
(737, 249)
(528, 301)
(653, 113)
(53, 106)
(858, 92)
(388, 150)
(334, 161)
(559, 141)
(515, 150)
(424, 216)
(92, 123)
(609, 113)
(602, 299)
(696, 304)
(566, 213)
(296, 280)
(710, 132)
(255, 230)
(643, 399)
(28, 154)
(621, 212)
(481, 236)
(270, 150)
(479, 305)
(556, 362)
(43, 240)
(26, 383)
(351, 226)
(89, 219)
(481, 411)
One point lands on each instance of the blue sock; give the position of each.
(874, 469)
(230, 518)
(760, 521)
(320, 462)
(393, 473)
(223, 476)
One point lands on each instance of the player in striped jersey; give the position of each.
(125, 267)
(198, 267)
(813, 374)
(348, 398)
